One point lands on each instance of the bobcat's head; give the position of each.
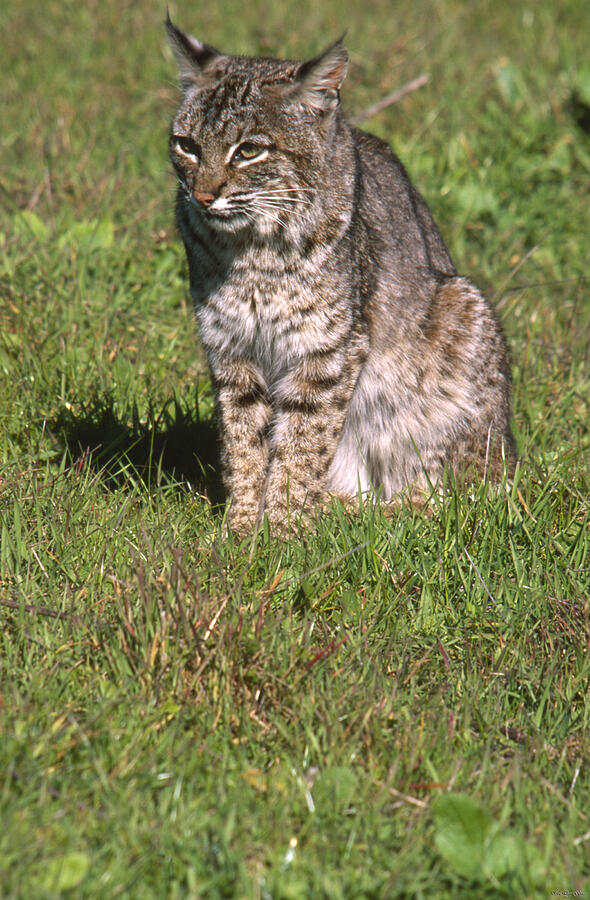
(253, 143)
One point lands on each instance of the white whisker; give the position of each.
(254, 197)
(283, 190)
(272, 203)
(267, 214)
(286, 199)
(265, 205)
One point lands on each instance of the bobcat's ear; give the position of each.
(318, 81)
(195, 59)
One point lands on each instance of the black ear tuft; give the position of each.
(193, 57)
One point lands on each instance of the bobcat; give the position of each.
(346, 353)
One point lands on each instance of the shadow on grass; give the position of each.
(173, 446)
(580, 110)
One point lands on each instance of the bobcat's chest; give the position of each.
(269, 324)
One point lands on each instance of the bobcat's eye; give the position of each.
(186, 146)
(248, 151)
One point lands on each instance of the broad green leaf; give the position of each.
(471, 842)
(88, 236)
(475, 199)
(66, 872)
(28, 223)
(503, 854)
(508, 853)
(334, 788)
(169, 707)
(462, 829)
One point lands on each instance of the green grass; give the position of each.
(384, 706)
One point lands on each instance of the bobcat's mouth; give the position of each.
(221, 216)
(264, 210)
(225, 213)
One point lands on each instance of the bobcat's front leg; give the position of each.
(311, 405)
(244, 412)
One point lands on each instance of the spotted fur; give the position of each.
(345, 351)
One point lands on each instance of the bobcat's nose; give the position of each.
(203, 199)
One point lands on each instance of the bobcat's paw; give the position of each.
(242, 519)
